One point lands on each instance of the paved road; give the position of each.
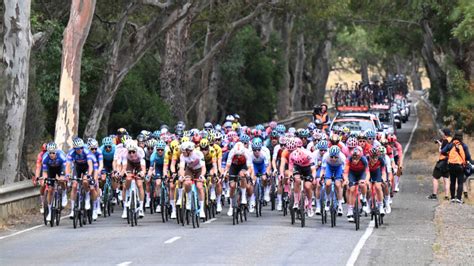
(268, 240)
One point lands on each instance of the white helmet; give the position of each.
(187, 145)
(229, 118)
(239, 148)
(131, 145)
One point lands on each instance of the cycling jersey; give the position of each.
(244, 159)
(98, 158)
(218, 150)
(59, 162)
(137, 158)
(333, 168)
(157, 161)
(376, 168)
(260, 162)
(356, 171)
(80, 158)
(108, 157)
(210, 157)
(194, 161)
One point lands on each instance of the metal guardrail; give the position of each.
(17, 191)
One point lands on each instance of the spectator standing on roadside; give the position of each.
(458, 155)
(321, 113)
(440, 170)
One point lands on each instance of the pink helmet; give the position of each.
(299, 157)
(316, 135)
(273, 124)
(352, 142)
(291, 144)
(282, 140)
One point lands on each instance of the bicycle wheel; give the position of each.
(58, 210)
(246, 210)
(45, 208)
(164, 210)
(193, 210)
(333, 213)
(89, 215)
(356, 214)
(109, 207)
(302, 210)
(196, 209)
(285, 203)
(272, 195)
(292, 211)
(235, 218)
(133, 208)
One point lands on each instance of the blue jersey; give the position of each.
(98, 157)
(59, 161)
(82, 158)
(108, 156)
(157, 162)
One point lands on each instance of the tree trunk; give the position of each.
(321, 71)
(436, 75)
(75, 35)
(172, 73)
(364, 71)
(415, 73)
(266, 26)
(124, 57)
(284, 93)
(17, 42)
(202, 106)
(298, 84)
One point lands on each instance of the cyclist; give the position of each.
(120, 133)
(93, 146)
(149, 149)
(53, 166)
(371, 138)
(389, 175)
(261, 166)
(333, 166)
(172, 154)
(318, 154)
(366, 147)
(377, 175)
(398, 158)
(239, 163)
(156, 166)
(83, 162)
(38, 174)
(210, 161)
(133, 166)
(290, 146)
(192, 168)
(356, 171)
(316, 137)
(301, 165)
(335, 140)
(108, 151)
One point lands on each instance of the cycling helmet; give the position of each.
(373, 152)
(299, 157)
(370, 134)
(236, 116)
(357, 151)
(92, 143)
(292, 130)
(218, 127)
(218, 136)
(291, 144)
(282, 140)
(318, 122)
(260, 127)
(77, 143)
(335, 129)
(187, 146)
(317, 136)
(334, 150)
(107, 141)
(229, 118)
(281, 128)
(383, 141)
(160, 145)
(185, 139)
(346, 130)
(122, 131)
(131, 145)
(204, 144)
(322, 145)
(228, 124)
(379, 135)
(204, 134)
(382, 150)
(125, 138)
(174, 145)
(256, 133)
(274, 134)
(304, 133)
(311, 126)
(244, 139)
(239, 148)
(392, 138)
(51, 147)
(156, 134)
(145, 133)
(140, 137)
(352, 142)
(334, 139)
(152, 142)
(272, 124)
(257, 144)
(361, 136)
(208, 126)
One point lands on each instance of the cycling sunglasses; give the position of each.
(93, 149)
(52, 153)
(108, 147)
(256, 149)
(370, 138)
(131, 152)
(334, 157)
(158, 150)
(323, 150)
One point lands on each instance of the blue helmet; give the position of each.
(322, 145)
(107, 141)
(311, 126)
(77, 143)
(160, 145)
(257, 144)
(244, 138)
(370, 133)
(280, 128)
(260, 127)
(334, 151)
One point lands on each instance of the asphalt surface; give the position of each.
(270, 239)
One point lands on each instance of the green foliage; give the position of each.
(138, 104)
(461, 101)
(251, 74)
(464, 13)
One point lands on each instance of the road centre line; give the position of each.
(171, 240)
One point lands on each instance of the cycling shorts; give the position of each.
(54, 172)
(304, 171)
(355, 177)
(235, 170)
(376, 176)
(335, 171)
(259, 168)
(80, 170)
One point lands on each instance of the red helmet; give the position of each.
(374, 152)
(392, 138)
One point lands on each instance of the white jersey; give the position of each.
(137, 157)
(341, 160)
(194, 161)
(263, 157)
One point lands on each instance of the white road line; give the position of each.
(125, 263)
(171, 240)
(26, 230)
(355, 253)
(210, 221)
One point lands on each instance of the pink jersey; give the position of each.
(300, 157)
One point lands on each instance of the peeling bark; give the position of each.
(321, 68)
(298, 84)
(14, 78)
(75, 35)
(283, 109)
(415, 73)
